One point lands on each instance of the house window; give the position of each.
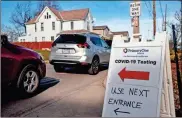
(35, 39)
(52, 38)
(42, 26)
(43, 38)
(49, 16)
(88, 28)
(35, 28)
(53, 25)
(72, 25)
(23, 40)
(45, 16)
(61, 25)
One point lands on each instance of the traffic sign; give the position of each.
(135, 9)
(134, 79)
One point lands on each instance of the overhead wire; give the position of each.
(150, 4)
(161, 10)
(150, 14)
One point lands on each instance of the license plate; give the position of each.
(59, 51)
(66, 51)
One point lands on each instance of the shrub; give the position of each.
(180, 56)
(172, 52)
(172, 57)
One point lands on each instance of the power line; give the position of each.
(150, 4)
(161, 10)
(150, 14)
(158, 26)
(165, 18)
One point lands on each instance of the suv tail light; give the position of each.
(53, 44)
(85, 45)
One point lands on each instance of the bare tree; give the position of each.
(178, 24)
(178, 17)
(12, 32)
(22, 14)
(42, 4)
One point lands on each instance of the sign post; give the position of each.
(135, 77)
(135, 13)
(134, 22)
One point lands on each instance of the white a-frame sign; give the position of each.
(137, 77)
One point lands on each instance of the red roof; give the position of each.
(31, 21)
(56, 12)
(74, 14)
(79, 14)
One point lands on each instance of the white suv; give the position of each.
(86, 49)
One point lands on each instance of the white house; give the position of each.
(121, 35)
(51, 22)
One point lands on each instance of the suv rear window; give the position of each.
(71, 39)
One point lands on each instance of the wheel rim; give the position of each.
(31, 81)
(95, 66)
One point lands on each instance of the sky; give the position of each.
(114, 14)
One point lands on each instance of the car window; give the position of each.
(96, 41)
(71, 39)
(104, 44)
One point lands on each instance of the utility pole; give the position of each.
(154, 19)
(135, 27)
(164, 20)
(165, 23)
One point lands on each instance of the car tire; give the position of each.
(58, 68)
(94, 68)
(29, 80)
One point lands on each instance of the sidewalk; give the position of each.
(87, 102)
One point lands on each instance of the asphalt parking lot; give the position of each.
(69, 93)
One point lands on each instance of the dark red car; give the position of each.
(21, 67)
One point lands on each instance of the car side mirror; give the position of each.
(4, 40)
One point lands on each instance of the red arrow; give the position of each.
(138, 75)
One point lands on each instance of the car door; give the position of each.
(106, 51)
(98, 47)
